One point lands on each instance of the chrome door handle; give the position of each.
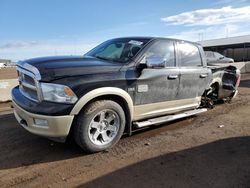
(171, 77)
(203, 75)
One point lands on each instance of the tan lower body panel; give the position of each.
(57, 126)
(162, 108)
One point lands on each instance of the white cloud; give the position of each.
(18, 44)
(231, 2)
(18, 50)
(212, 32)
(65, 44)
(209, 17)
(205, 24)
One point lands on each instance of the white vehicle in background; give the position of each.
(2, 65)
(215, 57)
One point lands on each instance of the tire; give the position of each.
(99, 126)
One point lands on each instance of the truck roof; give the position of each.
(155, 38)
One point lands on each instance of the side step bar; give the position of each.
(168, 118)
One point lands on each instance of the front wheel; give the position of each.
(99, 126)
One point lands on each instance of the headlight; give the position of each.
(58, 93)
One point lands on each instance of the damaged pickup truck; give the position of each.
(121, 85)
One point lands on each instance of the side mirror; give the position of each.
(221, 57)
(155, 62)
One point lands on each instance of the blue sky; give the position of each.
(30, 28)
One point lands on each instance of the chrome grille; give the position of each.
(28, 85)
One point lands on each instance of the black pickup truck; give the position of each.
(120, 85)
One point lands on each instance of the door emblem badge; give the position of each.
(142, 88)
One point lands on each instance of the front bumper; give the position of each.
(53, 126)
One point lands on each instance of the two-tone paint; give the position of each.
(142, 92)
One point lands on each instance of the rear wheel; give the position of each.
(210, 97)
(99, 126)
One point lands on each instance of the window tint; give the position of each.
(163, 51)
(189, 54)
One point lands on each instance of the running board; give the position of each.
(168, 118)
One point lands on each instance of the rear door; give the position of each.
(194, 75)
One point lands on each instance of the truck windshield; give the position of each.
(118, 50)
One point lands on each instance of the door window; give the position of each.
(162, 51)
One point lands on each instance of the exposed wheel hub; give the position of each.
(102, 126)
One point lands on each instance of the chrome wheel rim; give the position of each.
(104, 127)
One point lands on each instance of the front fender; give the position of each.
(101, 92)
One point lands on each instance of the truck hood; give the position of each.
(51, 68)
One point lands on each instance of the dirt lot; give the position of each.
(193, 152)
(8, 73)
(5, 107)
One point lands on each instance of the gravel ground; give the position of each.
(8, 73)
(209, 150)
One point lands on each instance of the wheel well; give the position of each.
(216, 86)
(122, 102)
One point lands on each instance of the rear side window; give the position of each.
(189, 55)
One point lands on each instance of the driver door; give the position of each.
(158, 84)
